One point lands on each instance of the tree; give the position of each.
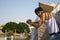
(22, 27)
(9, 26)
(14, 27)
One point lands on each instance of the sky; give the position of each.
(19, 10)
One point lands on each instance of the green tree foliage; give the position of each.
(14, 27)
(22, 27)
(9, 26)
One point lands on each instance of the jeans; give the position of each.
(55, 37)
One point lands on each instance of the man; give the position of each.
(48, 19)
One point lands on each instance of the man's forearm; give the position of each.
(34, 24)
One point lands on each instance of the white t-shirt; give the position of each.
(52, 25)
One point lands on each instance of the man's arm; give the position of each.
(39, 23)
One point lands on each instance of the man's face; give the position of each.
(39, 13)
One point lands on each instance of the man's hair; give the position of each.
(38, 9)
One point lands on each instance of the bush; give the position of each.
(9, 33)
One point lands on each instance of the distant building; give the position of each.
(1, 28)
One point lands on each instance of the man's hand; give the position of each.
(35, 24)
(29, 21)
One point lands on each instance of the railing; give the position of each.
(14, 38)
